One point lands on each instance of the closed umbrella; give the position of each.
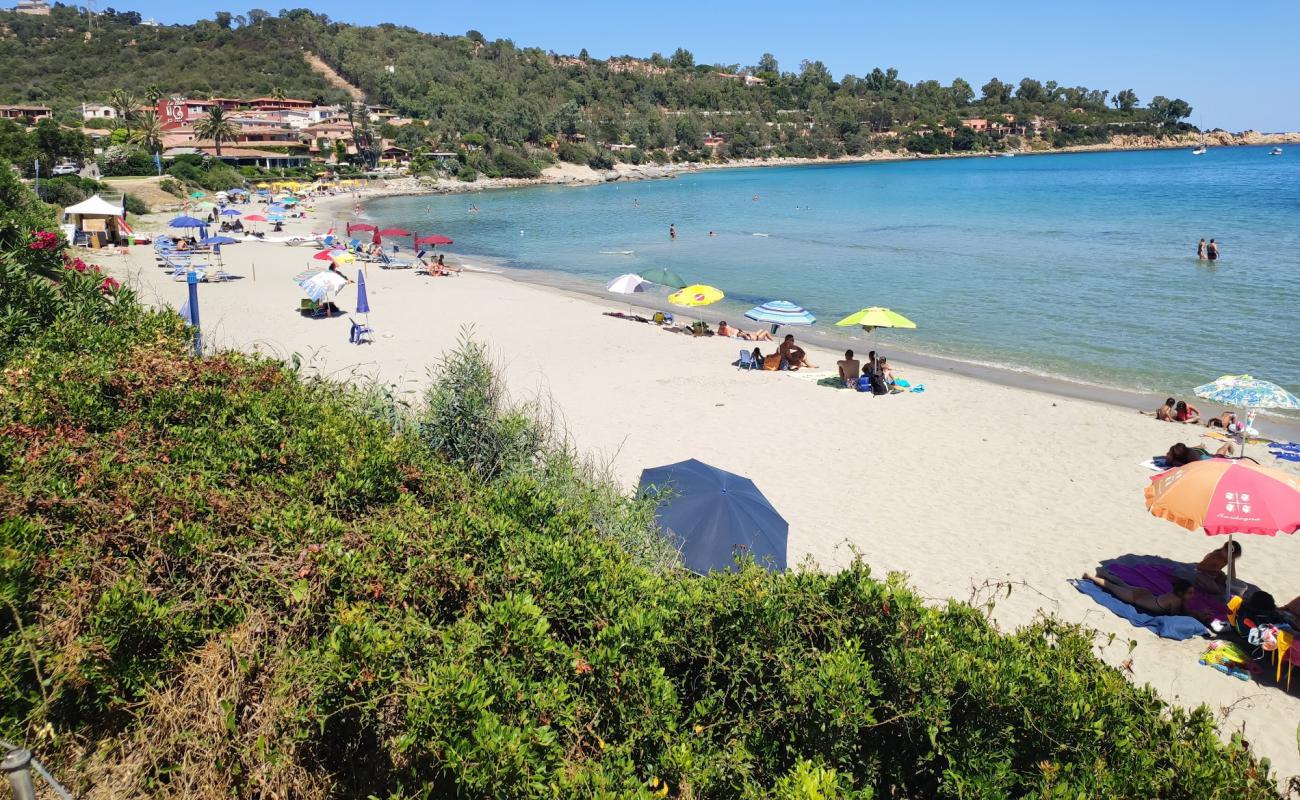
(363, 301)
(780, 312)
(1227, 496)
(712, 515)
(664, 277)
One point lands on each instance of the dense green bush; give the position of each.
(65, 190)
(220, 578)
(467, 174)
(124, 161)
(135, 205)
(512, 164)
(576, 153)
(172, 186)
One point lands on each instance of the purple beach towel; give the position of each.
(1159, 578)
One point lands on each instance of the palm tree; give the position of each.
(153, 93)
(148, 132)
(217, 127)
(277, 93)
(124, 103)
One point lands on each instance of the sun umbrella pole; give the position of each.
(1232, 569)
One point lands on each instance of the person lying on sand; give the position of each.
(850, 369)
(1224, 420)
(1210, 573)
(1174, 602)
(1183, 412)
(756, 336)
(792, 355)
(445, 268)
(1181, 454)
(726, 330)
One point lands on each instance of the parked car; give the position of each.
(65, 169)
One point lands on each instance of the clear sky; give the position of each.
(1238, 68)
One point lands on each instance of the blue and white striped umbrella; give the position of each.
(1243, 391)
(322, 284)
(780, 312)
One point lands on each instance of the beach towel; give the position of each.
(1158, 576)
(1168, 627)
(1284, 451)
(1156, 463)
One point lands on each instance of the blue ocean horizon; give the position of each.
(1078, 266)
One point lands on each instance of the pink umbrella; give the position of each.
(395, 232)
(435, 239)
(254, 218)
(327, 255)
(361, 226)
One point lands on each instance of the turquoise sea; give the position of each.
(1079, 266)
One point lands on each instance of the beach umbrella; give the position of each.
(254, 218)
(780, 312)
(378, 237)
(263, 185)
(664, 277)
(276, 218)
(711, 514)
(229, 212)
(363, 301)
(696, 295)
(628, 284)
(204, 206)
(328, 255)
(876, 317)
(397, 232)
(197, 195)
(185, 222)
(1243, 391)
(218, 240)
(322, 284)
(1227, 496)
(341, 257)
(361, 226)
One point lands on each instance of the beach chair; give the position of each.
(360, 333)
(746, 361)
(310, 308)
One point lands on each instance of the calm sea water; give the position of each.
(1081, 266)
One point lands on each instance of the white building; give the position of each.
(37, 7)
(97, 111)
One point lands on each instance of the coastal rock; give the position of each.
(611, 175)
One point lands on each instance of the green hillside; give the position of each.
(524, 95)
(219, 578)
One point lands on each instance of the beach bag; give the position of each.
(772, 362)
(864, 383)
(878, 385)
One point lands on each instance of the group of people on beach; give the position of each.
(1210, 577)
(1207, 252)
(1181, 411)
(875, 376)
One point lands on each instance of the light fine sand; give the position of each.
(964, 487)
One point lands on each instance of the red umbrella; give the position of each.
(254, 218)
(435, 239)
(361, 226)
(395, 232)
(327, 255)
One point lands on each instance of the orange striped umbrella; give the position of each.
(1223, 495)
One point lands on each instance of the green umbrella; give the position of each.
(197, 195)
(664, 277)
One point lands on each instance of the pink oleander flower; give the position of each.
(110, 285)
(75, 264)
(45, 240)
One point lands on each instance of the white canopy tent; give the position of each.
(97, 218)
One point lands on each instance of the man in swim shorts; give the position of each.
(792, 355)
(850, 369)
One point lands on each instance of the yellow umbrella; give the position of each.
(342, 258)
(263, 185)
(696, 295)
(876, 317)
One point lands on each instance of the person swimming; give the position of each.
(672, 231)
(1212, 250)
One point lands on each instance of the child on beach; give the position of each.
(1186, 413)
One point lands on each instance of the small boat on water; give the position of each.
(1199, 151)
(1276, 151)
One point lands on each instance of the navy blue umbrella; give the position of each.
(713, 515)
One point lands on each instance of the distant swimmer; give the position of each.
(711, 233)
(473, 209)
(636, 203)
(1200, 250)
(755, 198)
(1212, 251)
(672, 231)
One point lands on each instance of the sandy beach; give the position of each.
(971, 488)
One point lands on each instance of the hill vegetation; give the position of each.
(221, 578)
(524, 96)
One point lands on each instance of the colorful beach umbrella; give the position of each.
(780, 312)
(327, 255)
(254, 218)
(696, 295)
(202, 207)
(664, 277)
(1243, 391)
(1227, 496)
(712, 515)
(341, 257)
(628, 284)
(876, 317)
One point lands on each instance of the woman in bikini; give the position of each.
(1170, 603)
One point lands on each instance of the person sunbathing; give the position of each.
(1210, 573)
(726, 330)
(792, 355)
(850, 369)
(1181, 454)
(1170, 603)
(1225, 420)
(756, 336)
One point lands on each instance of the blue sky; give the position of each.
(1239, 69)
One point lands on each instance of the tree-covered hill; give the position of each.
(467, 85)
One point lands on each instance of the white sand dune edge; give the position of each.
(968, 485)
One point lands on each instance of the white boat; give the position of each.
(1276, 151)
(1008, 155)
(1199, 151)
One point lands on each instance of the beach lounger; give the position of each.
(310, 308)
(746, 360)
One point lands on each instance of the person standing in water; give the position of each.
(1200, 249)
(672, 231)
(1212, 251)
